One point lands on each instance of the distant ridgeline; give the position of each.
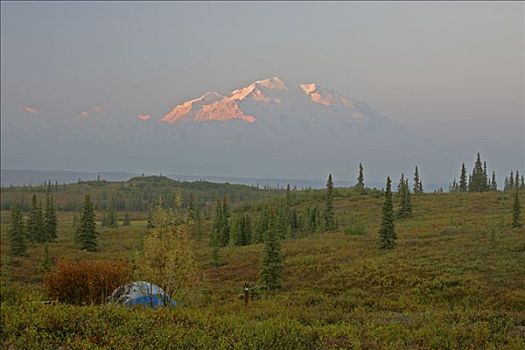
(137, 194)
(142, 192)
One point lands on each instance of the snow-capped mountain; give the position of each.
(271, 99)
(267, 128)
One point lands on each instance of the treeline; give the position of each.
(479, 179)
(137, 194)
(40, 225)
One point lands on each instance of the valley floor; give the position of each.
(455, 280)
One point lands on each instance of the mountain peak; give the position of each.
(325, 97)
(267, 97)
(272, 83)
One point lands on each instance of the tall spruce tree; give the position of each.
(17, 234)
(485, 177)
(329, 215)
(272, 259)
(241, 230)
(493, 183)
(387, 234)
(511, 180)
(405, 202)
(87, 236)
(50, 219)
(417, 182)
(261, 225)
(516, 212)
(452, 186)
(522, 186)
(478, 177)
(360, 179)
(408, 200)
(517, 180)
(401, 185)
(35, 227)
(221, 224)
(463, 179)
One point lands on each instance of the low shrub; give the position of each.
(85, 282)
(355, 230)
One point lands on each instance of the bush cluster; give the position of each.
(85, 282)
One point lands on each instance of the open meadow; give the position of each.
(454, 280)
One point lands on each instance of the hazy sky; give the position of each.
(447, 71)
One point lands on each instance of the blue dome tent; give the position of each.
(141, 293)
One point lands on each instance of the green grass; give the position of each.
(455, 280)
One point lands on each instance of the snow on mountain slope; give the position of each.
(271, 101)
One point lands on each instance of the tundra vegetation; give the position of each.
(451, 274)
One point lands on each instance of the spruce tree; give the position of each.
(50, 219)
(236, 231)
(493, 183)
(261, 225)
(522, 186)
(34, 227)
(517, 180)
(401, 185)
(405, 204)
(221, 224)
(511, 180)
(463, 179)
(387, 234)
(46, 260)
(485, 177)
(247, 230)
(516, 212)
(417, 182)
(272, 260)
(407, 201)
(17, 235)
(288, 196)
(329, 216)
(360, 179)
(313, 219)
(293, 220)
(478, 177)
(87, 236)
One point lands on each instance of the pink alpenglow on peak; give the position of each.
(84, 114)
(250, 102)
(324, 97)
(31, 110)
(144, 116)
(183, 110)
(214, 107)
